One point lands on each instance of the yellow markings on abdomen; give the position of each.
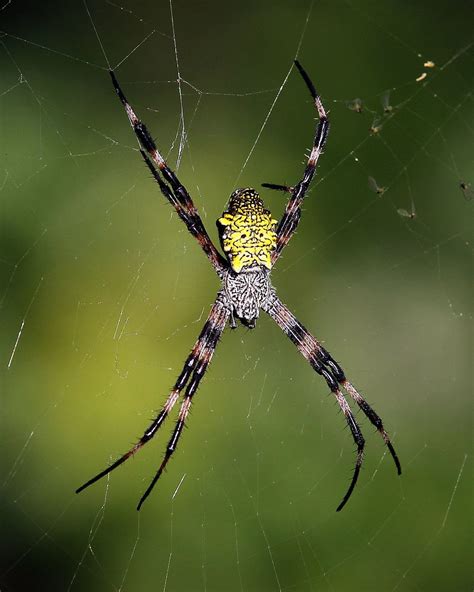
(247, 231)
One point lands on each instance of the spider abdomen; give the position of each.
(247, 231)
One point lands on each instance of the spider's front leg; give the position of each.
(171, 187)
(292, 214)
(323, 363)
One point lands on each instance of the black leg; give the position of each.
(191, 389)
(292, 214)
(202, 350)
(322, 362)
(176, 193)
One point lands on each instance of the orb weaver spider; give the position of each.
(252, 242)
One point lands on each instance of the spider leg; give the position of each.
(193, 226)
(212, 326)
(191, 389)
(374, 420)
(276, 187)
(178, 195)
(326, 358)
(291, 217)
(322, 362)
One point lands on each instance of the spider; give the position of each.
(252, 241)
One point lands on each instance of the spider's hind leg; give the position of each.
(219, 320)
(202, 350)
(323, 363)
(371, 415)
(374, 419)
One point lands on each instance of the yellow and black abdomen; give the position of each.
(247, 231)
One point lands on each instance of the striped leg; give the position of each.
(191, 389)
(322, 362)
(292, 214)
(172, 189)
(202, 350)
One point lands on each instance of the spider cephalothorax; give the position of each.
(252, 242)
(246, 293)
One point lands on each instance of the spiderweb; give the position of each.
(103, 293)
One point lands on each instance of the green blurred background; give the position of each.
(103, 293)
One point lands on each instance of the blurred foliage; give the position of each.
(103, 293)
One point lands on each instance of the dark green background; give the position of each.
(109, 292)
